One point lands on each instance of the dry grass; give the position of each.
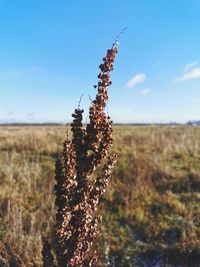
(152, 206)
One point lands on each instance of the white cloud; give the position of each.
(159, 63)
(36, 69)
(32, 114)
(21, 72)
(192, 74)
(196, 100)
(190, 66)
(145, 91)
(137, 79)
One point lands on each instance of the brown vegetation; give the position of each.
(78, 192)
(151, 205)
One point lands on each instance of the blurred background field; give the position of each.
(151, 211)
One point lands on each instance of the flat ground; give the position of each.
(151, 211)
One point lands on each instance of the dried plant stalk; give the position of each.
(77, 193)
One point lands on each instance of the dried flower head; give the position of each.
(77, 193)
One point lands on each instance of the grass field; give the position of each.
(151, 212)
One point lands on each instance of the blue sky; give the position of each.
(50, 51)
